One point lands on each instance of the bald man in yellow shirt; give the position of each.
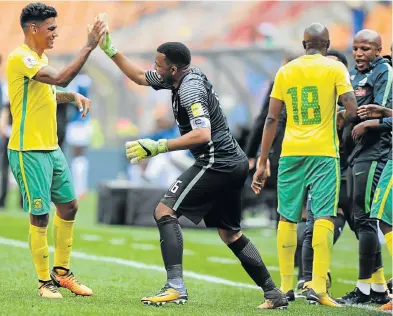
(309, 163)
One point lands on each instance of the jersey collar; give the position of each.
(30, 50)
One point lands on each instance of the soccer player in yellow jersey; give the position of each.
(36, 160)
(309, 87)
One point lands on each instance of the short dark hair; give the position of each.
(176, 53)
(36, 12)
(341, 57)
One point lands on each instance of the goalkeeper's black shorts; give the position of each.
(202, 192)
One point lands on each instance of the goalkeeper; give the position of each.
(208, 190)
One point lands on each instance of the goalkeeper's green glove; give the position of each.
(145, 148)
(107, 46)
(106, 43)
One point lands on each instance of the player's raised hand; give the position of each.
(106, 41)
(260, 176)
(145, 148)
(370, 111)
(96, 33)
(83, 104)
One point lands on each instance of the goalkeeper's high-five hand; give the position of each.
(106, 42)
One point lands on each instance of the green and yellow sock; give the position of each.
(38, 243)
(286, 247)
(322, 243)
(62, 237)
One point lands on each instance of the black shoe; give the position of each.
(389, 285)
(300, 284)
(290, 296)
(379, 298)
(354, 297)
(274, 299)
(303, 290)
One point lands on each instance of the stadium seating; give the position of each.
(73, 19)
(234, 24)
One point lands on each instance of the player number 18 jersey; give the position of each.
(309, 87)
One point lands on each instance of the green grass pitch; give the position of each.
(122, 264)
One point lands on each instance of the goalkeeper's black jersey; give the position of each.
(196, 105)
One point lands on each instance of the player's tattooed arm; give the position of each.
(349, 101)
(81, 102)
(62, 78)
(351, 119)
(65, 97)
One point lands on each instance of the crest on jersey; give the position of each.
(37, 204)
(362, 82)
(30, 61)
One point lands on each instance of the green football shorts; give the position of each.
(317, 175)
(382, 202)
(42, 176)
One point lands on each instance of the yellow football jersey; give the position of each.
(309, 87)
(33, 104)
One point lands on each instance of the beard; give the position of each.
(168, 79)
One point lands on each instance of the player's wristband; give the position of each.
(162, 146)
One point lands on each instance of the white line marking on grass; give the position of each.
(140, 265)
(89, 237)
(343, 281)
(273, 268)
(143, 246)
(223, 260)
(136, 264)
(117, 241)
(188, 252)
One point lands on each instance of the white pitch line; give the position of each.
(117, 241)
(222, 260)
(272, 268)
(90, 237)
(188, 252)
(343, 281)
(136, 264)
(140, 265)
(143, 246)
